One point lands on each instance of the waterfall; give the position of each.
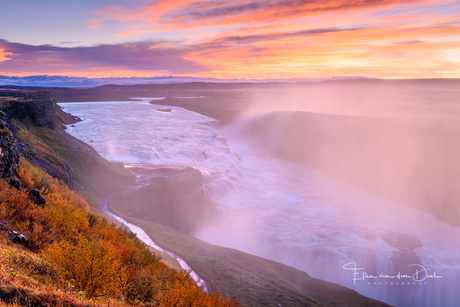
(285, 212)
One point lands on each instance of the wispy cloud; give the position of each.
(180, 14)
(276, 36)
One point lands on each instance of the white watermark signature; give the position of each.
(418, 274)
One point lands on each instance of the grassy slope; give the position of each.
(77, 164)
(26, 279)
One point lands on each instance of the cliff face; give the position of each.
(38, 106)
(9, 155)
(33, 126)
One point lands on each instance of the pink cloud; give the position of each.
(134, 56)
(186, 14)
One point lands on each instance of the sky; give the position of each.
(231, 39)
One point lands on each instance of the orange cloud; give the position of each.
(5, 56)
(388, 51)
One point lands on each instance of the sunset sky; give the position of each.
(231, 39)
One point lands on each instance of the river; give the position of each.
(282, 211)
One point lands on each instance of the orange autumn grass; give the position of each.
(76, 258)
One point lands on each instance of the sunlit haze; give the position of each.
(318, 136)
(231, 39)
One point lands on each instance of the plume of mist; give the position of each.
(398, 139)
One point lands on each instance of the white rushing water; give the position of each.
(144, 237)
(281, 211)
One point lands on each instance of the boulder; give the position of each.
(164, 110)
(36, 197)
(14, 182)
(17, 237)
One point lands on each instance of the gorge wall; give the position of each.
(9, 154)
(33, 125)
(409, 162)
(36, 105)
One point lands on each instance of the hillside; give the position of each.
(55, 250)
(65, 231)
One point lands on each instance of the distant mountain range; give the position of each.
(66, 81)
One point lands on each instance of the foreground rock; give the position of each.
(17, 237)
(34, 194)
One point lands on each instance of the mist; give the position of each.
(406, 99)
(397, 139)
(379, 161)
(332, 178)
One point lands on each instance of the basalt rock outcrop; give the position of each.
(36, 105)
(35, 127)
(9, 155)
(37, 109)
